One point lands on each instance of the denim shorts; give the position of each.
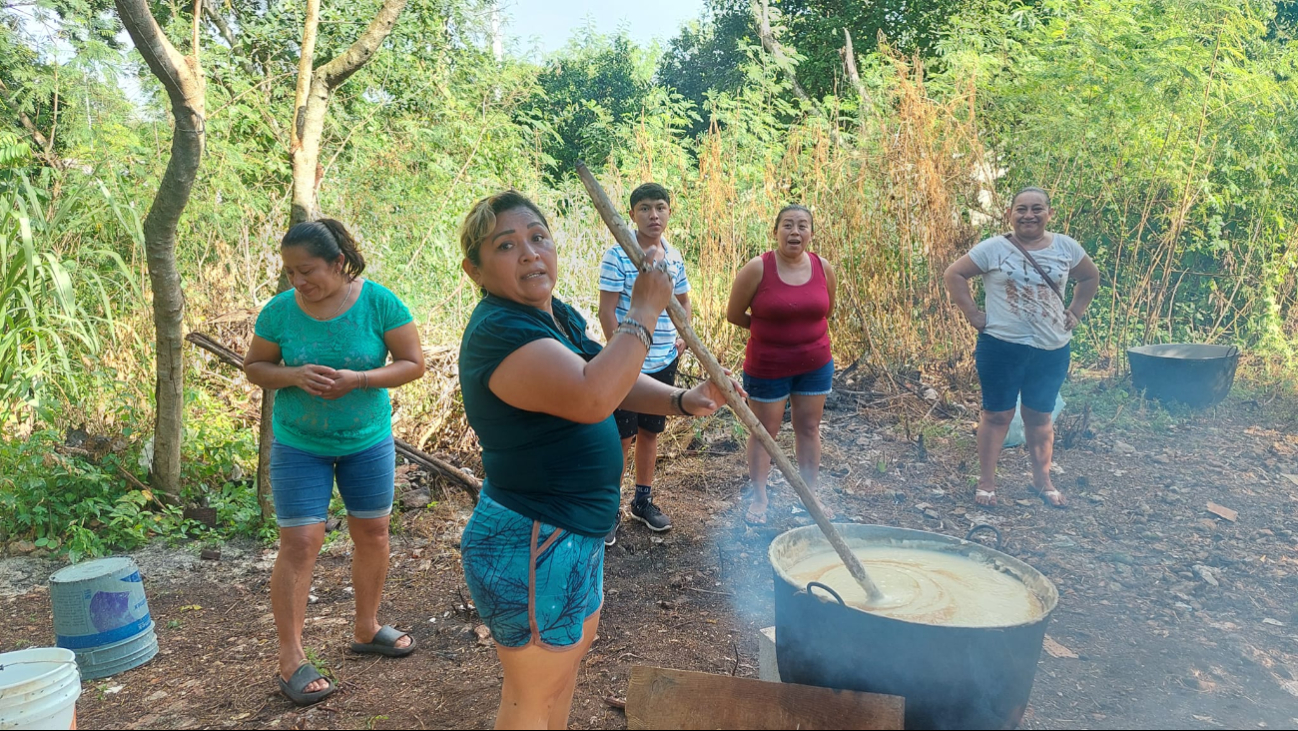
(303, 483)
(819, 382)
(1007, 369)
(533, 583)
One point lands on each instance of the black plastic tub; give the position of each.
(1190, 373)
(951, 677)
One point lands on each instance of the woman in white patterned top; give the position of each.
(1024, 334)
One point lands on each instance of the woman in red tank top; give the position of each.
(784, 298)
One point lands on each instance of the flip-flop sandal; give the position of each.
(755, 519)
(385, 643)
(293, 688)
(988, 495)
(1049, 497)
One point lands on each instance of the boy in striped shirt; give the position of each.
(650, 211)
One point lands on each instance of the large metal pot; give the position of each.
(951, 677)
(1194, 374)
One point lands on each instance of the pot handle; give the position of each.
(1233, 352)
(819, 585)
(986, 526)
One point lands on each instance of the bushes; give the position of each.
(71, 504)
(1166, 130)
(80, 495)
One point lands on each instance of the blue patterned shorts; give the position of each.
(533, 583)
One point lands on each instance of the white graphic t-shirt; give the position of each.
(1021, 306)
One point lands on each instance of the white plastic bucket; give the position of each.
(39, 689)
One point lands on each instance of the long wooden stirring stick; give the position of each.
(718, 376)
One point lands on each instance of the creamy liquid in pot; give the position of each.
(927, 587)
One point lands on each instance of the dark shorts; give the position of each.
(533, 583)
(302, 483)
(630, 422)
(819, 382)
(1007, 370)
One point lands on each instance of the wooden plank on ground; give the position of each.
(679, 699)
(1221, 511)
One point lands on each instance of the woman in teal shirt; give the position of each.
(540, 395)
(324, 346)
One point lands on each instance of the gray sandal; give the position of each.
(293, 688)
(385, 643)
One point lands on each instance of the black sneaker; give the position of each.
(611, 538)
(650, 515)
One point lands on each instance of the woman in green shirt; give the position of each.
(324, 346)
(540, 395)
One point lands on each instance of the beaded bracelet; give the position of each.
(631, 327)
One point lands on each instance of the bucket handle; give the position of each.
(4, 665)
(818, 585)
(986, 526)
(1233, 352)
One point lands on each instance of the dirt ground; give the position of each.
(1176, 618)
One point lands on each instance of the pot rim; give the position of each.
(1035, 581)
(1211, 351)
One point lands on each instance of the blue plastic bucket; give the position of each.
(100, 613)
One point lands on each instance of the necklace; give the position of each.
(562, 329)
(302, 303)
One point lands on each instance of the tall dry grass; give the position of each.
(890, 212)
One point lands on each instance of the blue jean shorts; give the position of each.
(303, 483)
(819, 382)
(1006, 370)
(533, 583)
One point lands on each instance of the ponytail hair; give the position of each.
(327, 239)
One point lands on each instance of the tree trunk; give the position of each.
(310, 106)
(182, 78)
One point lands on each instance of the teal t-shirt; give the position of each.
(352, 341)
(546, 468)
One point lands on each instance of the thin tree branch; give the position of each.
(222, 27)
(773, 47)
(849, 59)
(248, 67)
(305, 66)
(45, 144)
(198, 25)
(762, 12)
(849, 62)
(363, 49)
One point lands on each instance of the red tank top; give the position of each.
(789, 332)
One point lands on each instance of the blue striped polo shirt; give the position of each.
(618, 274)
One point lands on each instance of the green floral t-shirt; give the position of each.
(352, 341)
